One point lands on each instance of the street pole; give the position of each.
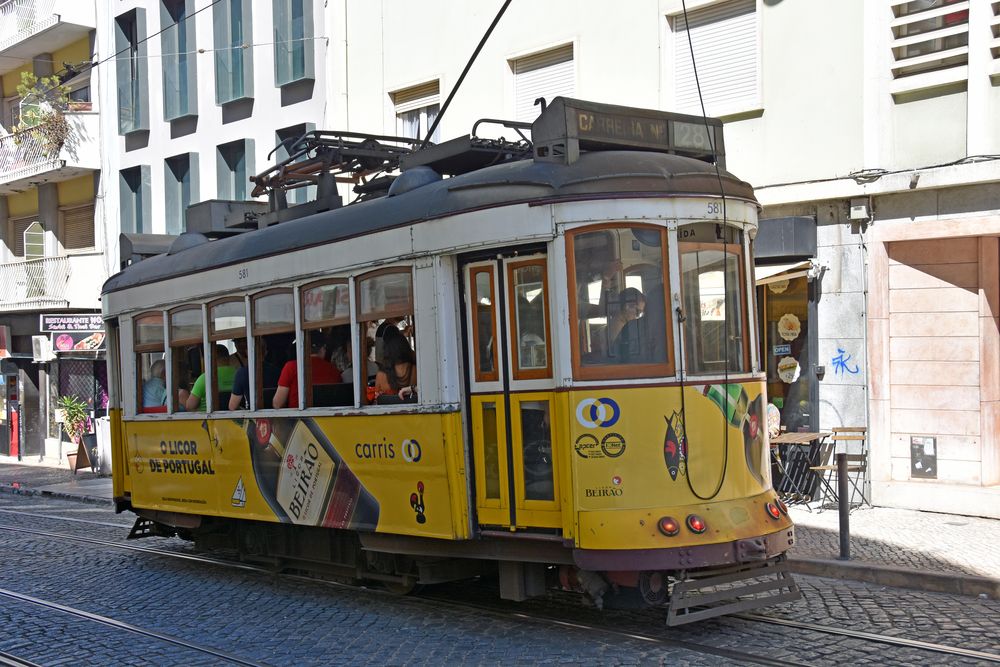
(844, 505)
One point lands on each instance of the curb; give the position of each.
(955, 583)
(24, 491)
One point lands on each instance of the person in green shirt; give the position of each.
(225, 372)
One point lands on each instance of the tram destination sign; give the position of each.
(568, 125)
(63, 323)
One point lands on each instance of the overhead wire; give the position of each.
(725, 292)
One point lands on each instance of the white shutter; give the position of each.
(78, 228)
(549, 74)
(929, 36)
(995, 41)
(724, 37)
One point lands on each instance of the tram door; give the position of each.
(511, 392)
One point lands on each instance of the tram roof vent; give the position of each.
(217, 218)
(568, 126)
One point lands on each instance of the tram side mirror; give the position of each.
(820, 372)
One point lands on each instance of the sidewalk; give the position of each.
(892, 547)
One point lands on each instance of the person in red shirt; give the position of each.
(322, 372)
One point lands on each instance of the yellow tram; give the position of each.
(587, 407)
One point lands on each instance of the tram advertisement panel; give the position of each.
(359, 473)
(644, 448)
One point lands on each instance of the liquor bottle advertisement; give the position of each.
(351, 472)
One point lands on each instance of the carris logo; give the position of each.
(597, 413)
(411, 451)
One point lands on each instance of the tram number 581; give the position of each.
(714, 208)
(243, 274)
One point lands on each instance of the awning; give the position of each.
(775, 272)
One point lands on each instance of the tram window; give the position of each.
(150, 364)
(530, 317)
(620, 302)
(186, 347)
(536, 451)
(485, 328)
(227, 331)
(274, 341)
(713, 288)
(326, 321)
(385, 309)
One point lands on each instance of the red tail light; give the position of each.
(782, 506)
(696, 524)
(773, 511)
(668, 526)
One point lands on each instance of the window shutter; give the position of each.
(416, 97)
(995, 42)
(929, 35)
(17, 229)
(78, 228)
(724, 37)
(549, 74)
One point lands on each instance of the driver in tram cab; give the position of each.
(623, 328)
(322, 372)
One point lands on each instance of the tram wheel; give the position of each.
(654, 587)
(401, 587)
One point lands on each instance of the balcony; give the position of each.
(30, 27)
(65, 282)
(25, 161)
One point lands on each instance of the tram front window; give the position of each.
(620, 302)
(713, 287)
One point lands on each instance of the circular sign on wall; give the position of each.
(778, 286)
(789, 326)
(789, 369)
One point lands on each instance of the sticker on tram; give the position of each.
(417, 503)
(613, 445)
(597, 413)
(675, 446)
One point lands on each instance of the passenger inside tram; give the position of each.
(225, 371)
(397, 377)
(320, 371)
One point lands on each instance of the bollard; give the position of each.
(844, 505)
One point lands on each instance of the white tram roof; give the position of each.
(594, 175)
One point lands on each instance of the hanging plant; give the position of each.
(75, 416)
(43, 101)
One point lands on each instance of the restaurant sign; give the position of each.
(61, 323)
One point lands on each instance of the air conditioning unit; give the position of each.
(41, 349)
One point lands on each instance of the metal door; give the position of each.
(511, 399)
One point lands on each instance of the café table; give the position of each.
(798, 482)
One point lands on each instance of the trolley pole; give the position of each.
(844, 505)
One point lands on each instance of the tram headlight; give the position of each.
(696, 524)
(773, 511)
(668, 526)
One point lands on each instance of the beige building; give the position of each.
(868, 128)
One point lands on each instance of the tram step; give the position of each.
(731, 592)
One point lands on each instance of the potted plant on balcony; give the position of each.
(42, 103)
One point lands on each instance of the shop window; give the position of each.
(227, 321)
(274, 345)
(620, 302)
(784, 341)
(186, 357)
(150, 365)
(385, 317)
(713, 288)
(326, 330)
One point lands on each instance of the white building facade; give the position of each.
(869, 132)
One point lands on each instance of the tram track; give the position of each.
(11, 660)
(901, 642)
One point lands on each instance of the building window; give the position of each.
(78, 228)
(416, 109)
(233, 55)
(235, 166)
(131, 70)
(928, 36)
(285, 139)
(180, 96)
(180, 177)
(724, 39)
(293, 41)
(17, 228)
(134, 191)
(548, 74)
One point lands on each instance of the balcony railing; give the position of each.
(34, 282)
(20, 19)
(23, 153)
